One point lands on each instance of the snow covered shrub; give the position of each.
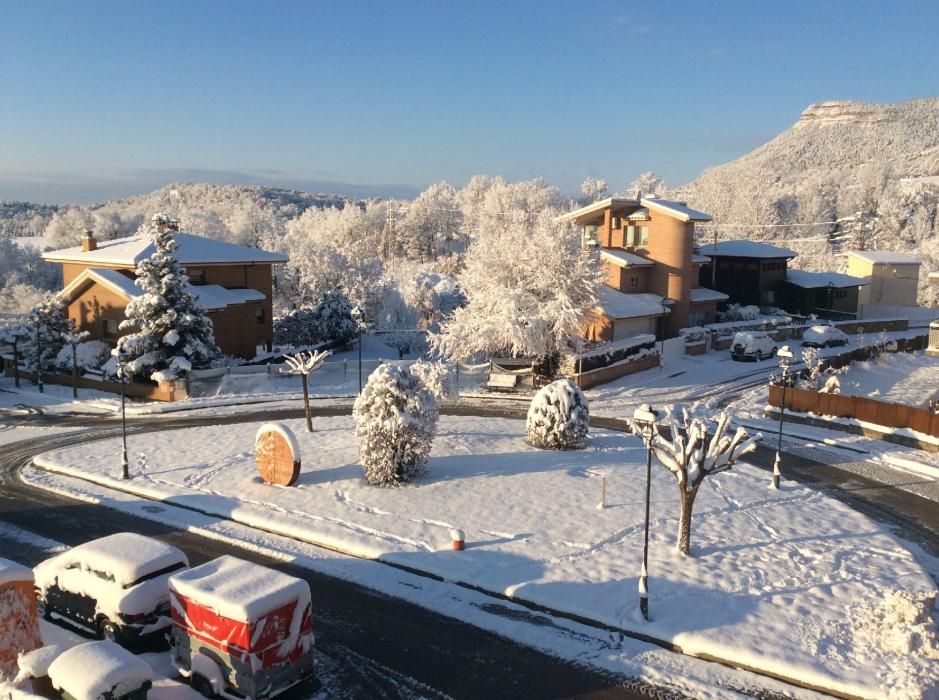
(694, 334)
(736, 312)
(395, 420)
(91, 355)
(334, 318)
(559, 417)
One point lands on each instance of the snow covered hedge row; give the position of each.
(92, 354)
(607, 354)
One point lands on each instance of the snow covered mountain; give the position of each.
(846, 175)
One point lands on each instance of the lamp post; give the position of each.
(831, 312)
(121, 371)
(664, 302)
(644, 425)
(785, 358)
(39, 356)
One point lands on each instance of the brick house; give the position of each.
(232, 282)
(651, 271)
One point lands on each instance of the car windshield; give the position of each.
(160, 572)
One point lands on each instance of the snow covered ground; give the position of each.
(788, 582)
(907, 378)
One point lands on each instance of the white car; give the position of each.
(116, 586)
(752, 345)
(824, 337)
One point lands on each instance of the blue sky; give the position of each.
(104, 99)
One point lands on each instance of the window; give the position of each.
(633, 282)
(630, 236)
(841, 294)
(259, 315)
(196, 277)
(109, 327)
(643, 235)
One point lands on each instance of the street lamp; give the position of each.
(121, 371)
(831, 312)
(644, 425)
(664, 302)
(785, 358)
(359, 319)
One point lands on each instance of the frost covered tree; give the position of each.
(558, 417)
(593, 190)
(399, 321)
(528, 284)
(170, 333)
(46, 323)
(647, 184)
(395, 421)
(690, 455)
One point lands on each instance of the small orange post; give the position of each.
(457, 539)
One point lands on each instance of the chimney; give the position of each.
(88, 241)
(163, 223)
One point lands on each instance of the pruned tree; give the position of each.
(46, 321)
(691, 456)
(303, 365)
(73, 338)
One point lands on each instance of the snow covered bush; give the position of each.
(558, 417)
(330, 320)
(395, 420)
(91, 354)
(171, 332)
(736, 312)
(694, 334)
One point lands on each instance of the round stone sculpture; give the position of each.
(277, 453)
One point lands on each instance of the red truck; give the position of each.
(241, 630)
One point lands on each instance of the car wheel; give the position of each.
(107, 630)
(42, 607)
(202, 685)
(772, 353)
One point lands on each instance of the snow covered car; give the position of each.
(115, 586)
(100, 671)
(824, 337)
(752, 345)
(241, 629)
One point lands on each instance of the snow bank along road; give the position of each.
(877, 501)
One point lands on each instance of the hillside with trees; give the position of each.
(846, 176)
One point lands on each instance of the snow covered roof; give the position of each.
(210, 296)
(126, 555)
(191, 250)
(679, 210)
(10, 571)
(238, 589)
(97, 670)
(616, 304)
(623, 258)
(814, 280)
(700, 259)
(699, 295)
(746, 249)
(613, 203)
(640, 213)
(884, 257)
(934, 277)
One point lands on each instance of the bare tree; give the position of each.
(304, 364)
(690, 456)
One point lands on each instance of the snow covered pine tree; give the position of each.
(45, 325)
(558, 417)
(395, 421)
(171, 331)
